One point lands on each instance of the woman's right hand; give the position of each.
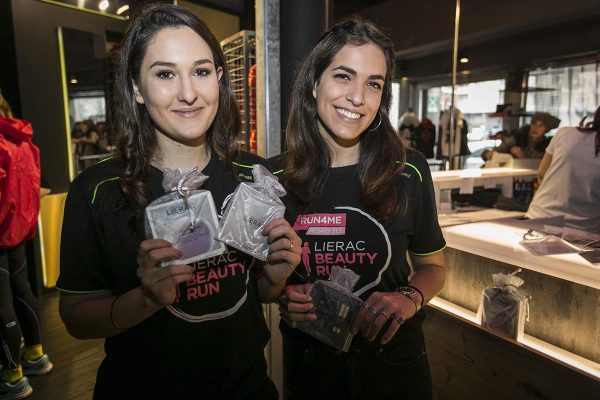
(295, 304)
(159, 284)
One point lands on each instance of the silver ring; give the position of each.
(387, 316)
(291, 244)
(371, 309)
(399, 320)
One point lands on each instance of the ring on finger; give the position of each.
(371, 309)
(386, 315)
(291, 244)
(398, 319)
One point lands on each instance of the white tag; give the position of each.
(172, 222)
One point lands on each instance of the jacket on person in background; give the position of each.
(19, 182)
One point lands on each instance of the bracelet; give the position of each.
(110, 313)
(418, 291)
(410, 293)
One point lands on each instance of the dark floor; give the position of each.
(75, 361)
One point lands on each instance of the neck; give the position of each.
(173, 154)
(342, 156)
(343, 152)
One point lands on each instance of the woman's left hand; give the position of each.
(383, 309)
(285, 248)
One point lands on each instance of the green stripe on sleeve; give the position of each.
(98, 185)
(83, 291)
(242, 165)
(415, 168)
(427, 254)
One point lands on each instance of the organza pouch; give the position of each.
(185, 216)
(336, 309)
(504, 307)
(252, 207)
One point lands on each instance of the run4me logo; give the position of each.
(347, 238)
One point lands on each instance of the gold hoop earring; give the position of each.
(380, 118)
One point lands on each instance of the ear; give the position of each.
(136, 91)
(314, 92)
(219, 73)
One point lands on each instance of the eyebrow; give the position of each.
(353, 72)
(173, 65)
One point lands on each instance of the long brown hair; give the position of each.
(307, 156)
(130, 121)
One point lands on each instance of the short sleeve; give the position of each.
(82, 262)
(427, 237)
(554, 141)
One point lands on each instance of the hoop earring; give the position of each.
(374, 129)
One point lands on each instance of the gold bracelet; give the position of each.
(110, 313)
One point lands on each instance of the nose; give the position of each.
(187, 93)
(356, 95)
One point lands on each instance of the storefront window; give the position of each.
(476, 101)
(570, 92)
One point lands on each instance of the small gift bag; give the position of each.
(252, 207)
(336, 309)
(184, 216)
(504, 307)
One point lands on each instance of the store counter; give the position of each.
(465, 180)
(561, 336)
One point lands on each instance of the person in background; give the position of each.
(345, 162)
(86, 142)
(570, 177)
(530, 141)
(408, 124)
(19, 206)
(425, 133)
(182, 331)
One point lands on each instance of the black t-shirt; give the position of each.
(216, 324)
(340, 231)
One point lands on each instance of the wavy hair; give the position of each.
(134, 129)
(307, 156)
(593, 126)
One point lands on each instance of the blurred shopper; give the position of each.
(570, 177)
(530, 141)
(86, 142)
(408, 124)
(19, 207)
(425, 133)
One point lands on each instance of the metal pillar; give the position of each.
(268, 97)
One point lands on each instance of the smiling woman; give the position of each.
(179, 86)
(172, 108)
(359, 200)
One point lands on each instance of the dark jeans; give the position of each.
(312, 372)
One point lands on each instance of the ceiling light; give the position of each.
(464, 60)
(122, 9)
(103, 5)
(74, 80)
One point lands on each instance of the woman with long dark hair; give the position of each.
(359, 200)
(182, 331)
(570, 177)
